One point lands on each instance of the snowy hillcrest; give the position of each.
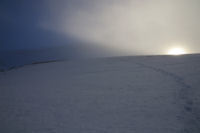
(143, 94)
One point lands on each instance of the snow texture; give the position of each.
(147, 94)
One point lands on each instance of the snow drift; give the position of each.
(147, 94)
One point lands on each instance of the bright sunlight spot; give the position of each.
(176, 51)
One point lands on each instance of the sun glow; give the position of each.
(176, 51)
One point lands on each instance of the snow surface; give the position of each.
(149, 94)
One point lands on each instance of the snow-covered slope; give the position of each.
(155, 94)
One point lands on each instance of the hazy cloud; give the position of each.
(127, 26)
(147, 26)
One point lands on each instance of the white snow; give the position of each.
(147, 94)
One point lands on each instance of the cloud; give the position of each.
(128, 26)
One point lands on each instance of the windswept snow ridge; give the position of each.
(155, 94)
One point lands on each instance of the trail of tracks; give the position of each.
(183, 97)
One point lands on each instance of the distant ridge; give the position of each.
(4, 68)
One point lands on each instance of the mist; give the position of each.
(128, 27)
(38, 30)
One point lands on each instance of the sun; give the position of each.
(176, 51)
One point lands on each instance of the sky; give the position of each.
(127, 27)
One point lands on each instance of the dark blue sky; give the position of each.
(20, 28)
